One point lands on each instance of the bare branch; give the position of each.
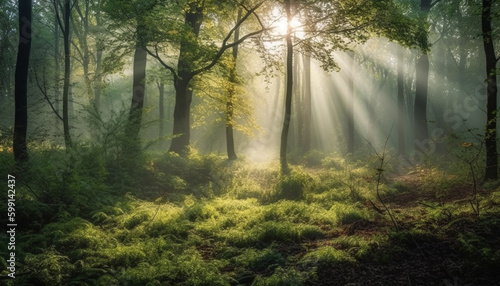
(164, 64)
(58, 17)
(43, 90)
(225, 46)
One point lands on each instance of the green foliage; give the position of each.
(325, 257)
(260, 260)
(206, 231)
(269, 232)
(49, 267)
(281, 277)
(349, 213)
(314, 158)
(481, 248)
(293, 186)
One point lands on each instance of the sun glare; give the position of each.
(282, 25)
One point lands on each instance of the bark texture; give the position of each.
(21, 82)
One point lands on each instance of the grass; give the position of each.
(205, 221)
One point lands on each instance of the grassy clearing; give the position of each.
(206, 221)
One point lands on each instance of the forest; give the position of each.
(249, 142)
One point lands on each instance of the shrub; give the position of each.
(325, 257)
(313, 158)
(281, 277)
(293, 186)
(259, 260)
(286, 232)
(349, 213)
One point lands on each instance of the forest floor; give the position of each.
(207, 221)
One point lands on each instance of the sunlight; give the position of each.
(279, 26)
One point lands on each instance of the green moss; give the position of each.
(286, 232)
(293, 186)
(326, 256)
(259, 260)
(349, 213)
(281, 277)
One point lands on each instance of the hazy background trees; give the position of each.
(218, 77)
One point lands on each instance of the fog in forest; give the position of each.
(269, 142)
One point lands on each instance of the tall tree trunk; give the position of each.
(67, 73)
(294, 133)
(21, 82)
(161, 104)
(401, 103)
(288, 95)
(98, 70)
(410, 108)
(491, 105)
(57, 67)
(98, 78)
(231, 152)
(182, 112)
(421, 128)
(82, 37)
(421, 91)
(183, 91)
(350, 105)
(307, 108)
(139, 87)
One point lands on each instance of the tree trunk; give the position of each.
(401, 104)
(306, 142)
(421, 128)
(67, 73)
(183, 91)
(139, 87)
(491, 172)
(350, 106)
(57, 67)
(231, 152)
(182, 111)
(98, 70)
(421, 91)
(98, 79)
(82, 39)
(288, 95)
(21, 82)
(161, 104)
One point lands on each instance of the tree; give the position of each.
(196, 56)
(339, 25)
(401, 103)
(21, 81)
(231, 153)
(8, 37)
(288, 88)
(491, 172)
(138, 87)
(422, 79)
(133, 16)
(350, 106)
(65, 28)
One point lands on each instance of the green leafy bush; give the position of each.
(293, 186)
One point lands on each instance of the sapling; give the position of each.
(380, 171)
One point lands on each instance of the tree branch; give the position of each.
(434, 3)
(58, 17)
(43, 90)
(164, 64)
(224, 48)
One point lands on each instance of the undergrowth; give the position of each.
(203, 220)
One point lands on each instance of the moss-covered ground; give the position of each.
(87, 219)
